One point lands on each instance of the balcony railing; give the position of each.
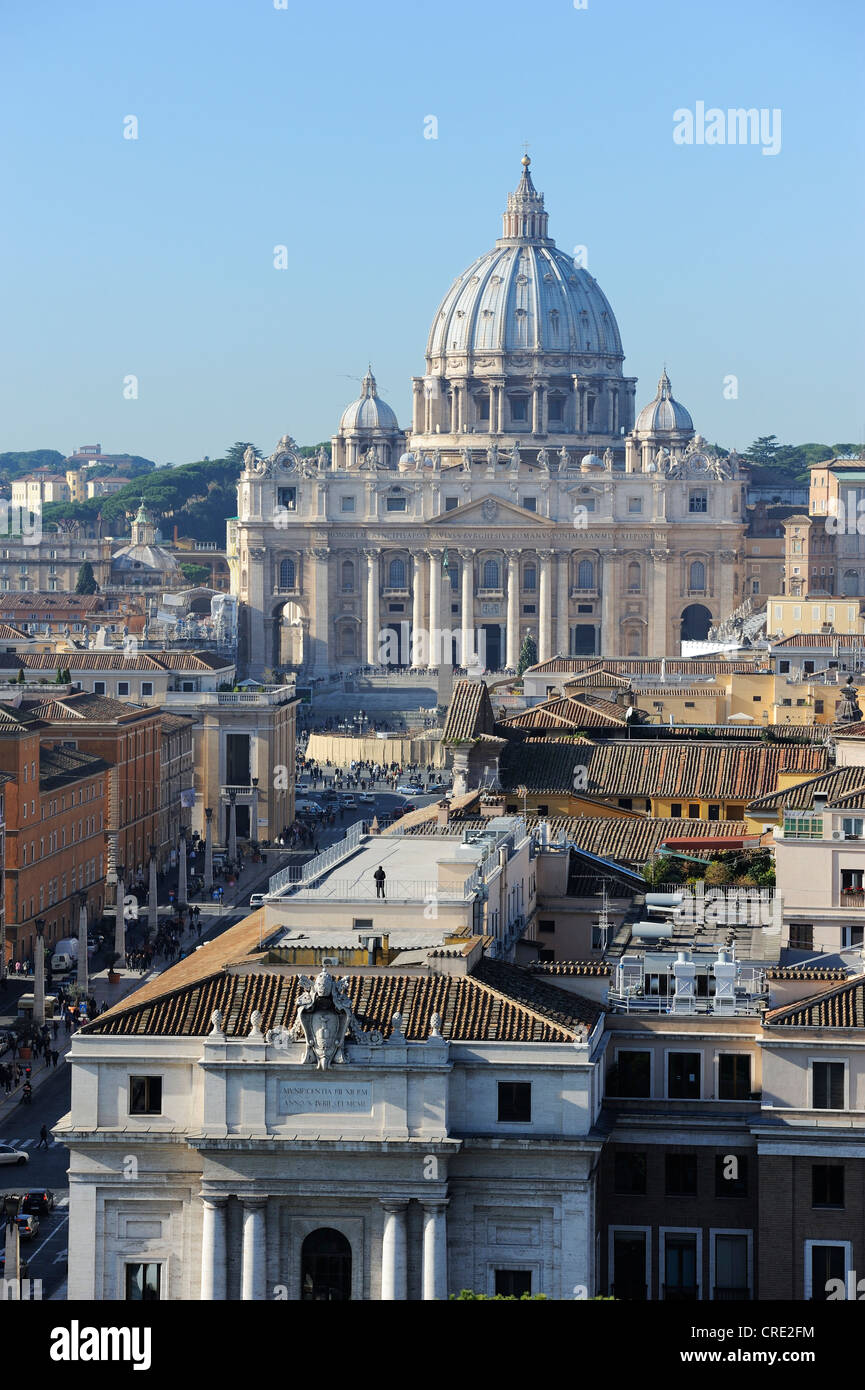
(593, 592)
(851, 897)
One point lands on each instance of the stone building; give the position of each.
(524, 498)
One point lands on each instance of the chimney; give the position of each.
(820, 801)
(442, 814)
(175, 533)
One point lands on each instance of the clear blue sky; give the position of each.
(304, 127)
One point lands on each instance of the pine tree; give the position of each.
(86, 581)
(528, 653)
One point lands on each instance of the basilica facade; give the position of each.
(524, 498)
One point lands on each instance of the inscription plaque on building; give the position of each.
(324, 1098)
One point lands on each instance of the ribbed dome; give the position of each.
(369, 411)
(524, 294)
(664, 414)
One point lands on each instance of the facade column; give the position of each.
(500, 424)
(563, 637)
(213, 1252)
(658, 618)
(513, 620)
(435, 1250)
(232, 825)
(492, 388)
(253, 812)
(467, 616)
(39, 973)
(394, 1266)
(254, 1249)
(182, 888)
(435, 608)
(417, 653)
(545, 409)
(208, 849)
(545, 607)
(320, 632)
(82, 980)
(609, 642)
(119, 919)
(372, 652)
(536, 409)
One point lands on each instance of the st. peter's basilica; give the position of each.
(524, 498)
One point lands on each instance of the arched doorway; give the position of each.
(696, 621)
(325, 1267)
(287, 635)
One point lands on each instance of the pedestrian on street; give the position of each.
(43, 1138)
(55, 1057)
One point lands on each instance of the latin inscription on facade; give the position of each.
(324, 1098)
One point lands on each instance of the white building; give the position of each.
(454, 1147)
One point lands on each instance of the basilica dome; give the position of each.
(524, 294)
(369, 411)
(664, 415)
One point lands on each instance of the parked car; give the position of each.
(256, 900)
(9, 1154)
(28, 1225)
(409, 791)
(366, 799)
(311, 807)
(41, 1201)
(349, 803)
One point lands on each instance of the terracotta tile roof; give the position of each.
(80, 705)
(842, 1007)
(809, 972)
(856, 730)
(116, 661)
(836, 784)
(495, 1003)
(570, 967)
(8, 633)
(599, 678)
(626, 768)
(172, 722)
(567, 713)
(628, 837)
(192, 661)
(813, 640)
(470, 712)
(60, 766)
(22, 598)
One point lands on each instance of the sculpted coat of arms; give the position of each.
(324, 1019)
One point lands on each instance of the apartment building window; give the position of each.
(676, 810)
(825, 1262)
(734, 1076)
(633, 1074)
(681, 1265)
(515, 1102)
(853, 827)
(123, 687)
(98, 687)
(143, 1282)
(731, 1175)
(714, 813)
(730, 1266)
(629, 1174)
(546, 926)
(683, 1075)
(827, 1185)
(147, 687)
(513, 1283)
(802, 825)
(694, 810)
(629, 1260)
(680, 1175)
(145, 1095)
(827, 1085)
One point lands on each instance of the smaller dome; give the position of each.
(589, 462)
(664, 414)
(369, 411)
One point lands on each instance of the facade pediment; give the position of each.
(492, 509)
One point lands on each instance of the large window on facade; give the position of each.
(348, 576)
(734, 1076)
(515, 1102)
(698, 500)
(629, 1266)
(143, 1282)
(827, 1185)
(287, 574)
(825, 1263)
(629, 1173)
(683, 1076)
(145, 1095)
(697, 577)
(530, 578)
(396, 574)
(680, 1267)
(828, 1085)
(680, 1175)
(731, 1267)
(586, 575)
(633, 1073)
(513, 1283)
(491, 575)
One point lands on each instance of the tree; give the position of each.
(237, 450)
(21, 676)
(528, 654)
(86, 581)
(196, 574)
(763, 450)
